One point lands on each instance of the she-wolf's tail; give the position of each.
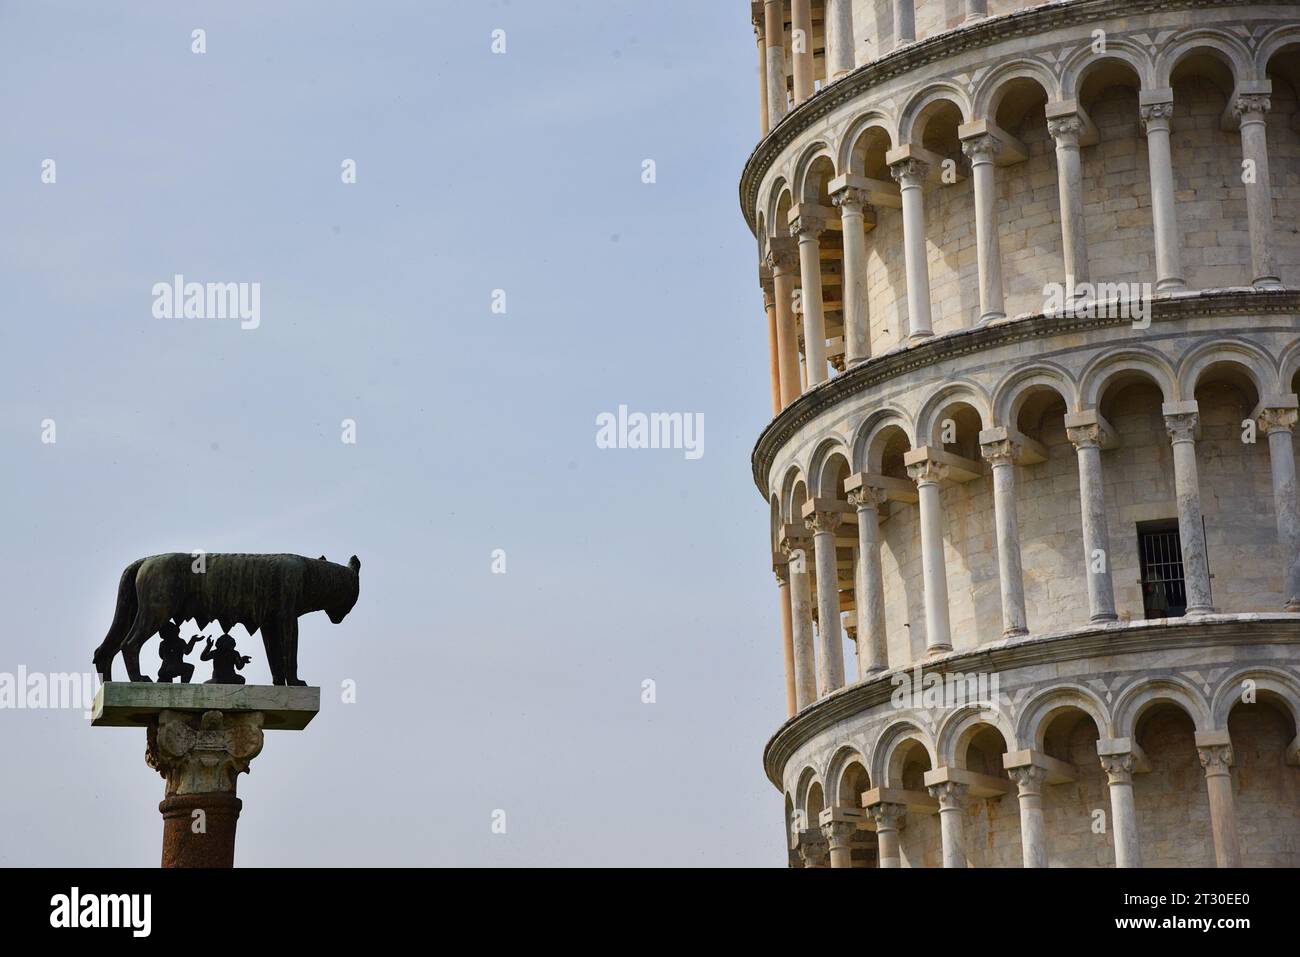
(123, 618)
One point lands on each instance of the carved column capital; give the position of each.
(813, 848)
(202, 754)
(1277, 420)
(910, 171)
(1119, 767)
(822, 521)
(1029, 779)
(1084, 436)
(927, 472)
(982, 149)
(838, 834)
(887, 816)
(1181, 426)
(807, 227)
(1065, 130)
(782, 254)
(868, 497)
(1001, 452)
(1254, 105)
(950, 795)
(1215, 758)
(1156, 115)
(850, 198)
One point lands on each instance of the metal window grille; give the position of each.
(1164, 591)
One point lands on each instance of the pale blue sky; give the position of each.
(475, 431)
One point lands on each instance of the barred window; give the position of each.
(1160, 549)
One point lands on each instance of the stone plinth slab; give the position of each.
(130, 704)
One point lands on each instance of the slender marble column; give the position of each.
(782, 260)
(1250, 111)
(1003, 455)
(830, 642)
(1069, 180)
(805, 665)
(1033, 833)
(1096, 539)
(1216, 759)
(1156, 118)
(952, 803)
(1181, 425)
(839, 837)
(976, 10)
(854, 215)
(983, 150)
(934, 573)
(869, 598)
(801, 39)
(774, 31)
(787, 642)
(764, 117)
(1277, 424)
(910, 175)
(773, 347)
(808, 229)
(889, 818)
(1123, 812)
(839, 38)
(904, 22)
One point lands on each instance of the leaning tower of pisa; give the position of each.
(1031, 275)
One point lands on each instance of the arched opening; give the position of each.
(816, 201)
(1173, 806)
(949, 218)
(1070, 809)
(1266, 781)
(886, 282)
(831, 476)
(854, 782)
(918, 842)
(900, 551)
(1283, 132)
(992, 823)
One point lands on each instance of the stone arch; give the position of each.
(1038, 712)
(1102, 370)
(793, 481)
(888, 745)
(961, 392)
(874, 435)
(1283, 685)
(1222, 45)
(1166, 689)
(1288, 365)
(780, 199)
(1009, 395)
(848, 160)
(958, 727)
(838, 776)
(923, 104)
(1254, 362)
(1274, 41)
(994, 86)
(1119, 51)
(806, 167)
(820, 471)
(803, 788)
(775, 522)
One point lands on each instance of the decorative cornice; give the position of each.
(1108, 640)
(975, 35)
(1244, 300)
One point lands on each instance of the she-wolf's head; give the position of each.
(346, 596)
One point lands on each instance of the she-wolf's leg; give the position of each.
(271, 644)
(289, 642)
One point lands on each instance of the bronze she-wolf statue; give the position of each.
(257, 591)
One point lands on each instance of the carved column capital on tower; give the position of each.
(1251, 104)
(888, 816)
(807, 226)
(910, 171)
(823, 521)
(868, 496)
(202, 754)
(838, 834)
(1181, 426)
(1085, 436)
(782, 254)
(813, 848)
(1119, 767)
(1277, 420)
(1156, 115)
(1001, 452)
(852, 198)
(927, 472)
(1029, 779)
(984, 148)
(1065, 130)
(1215, 758)
(950, 795)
